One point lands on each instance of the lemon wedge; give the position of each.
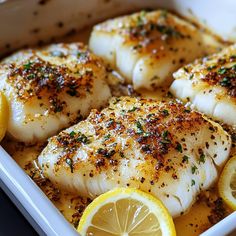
(126, 212)
(3, 115)
(227, 183)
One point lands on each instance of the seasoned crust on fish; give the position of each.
(147, 47)
(210, 85)
(161, 148)
(51, 88)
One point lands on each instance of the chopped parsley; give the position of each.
(192, 182)
(202, 158)
(165, 139)
(82, 55)
(225, 82)
(106, 137)
(165, 134)
(83, 139)
(194, 168)
(222, 71)
(72, 134)
(27, 66)
(209, 68)
(185, 159)
(139, 127)
(169, 31)
(140, 18)
(165, 112)
(179, 147)
(133, 109)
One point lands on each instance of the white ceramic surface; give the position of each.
(26, 22)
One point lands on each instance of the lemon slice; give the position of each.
(227, 183)
(3, 115)
(126, 212)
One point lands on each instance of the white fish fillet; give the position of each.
(210, 85)
(51, 88)
(158, 147)
(147, 47)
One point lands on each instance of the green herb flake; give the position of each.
(222, 70)
(165, 139)
(27, 66)
(133, 109)
(82, 55)
(165, 112)
(179, 147)
(69, 162)
(106, 137)
(30, 76)
(185, 69)
(185, 159)
(139, 127)
(192, 182)
(193, 169)
(165, 134)
(140, 18)
(83, 139)
(116, 101)
(169, 31)
(202, 158)
(225, 82)
(72, 134)
(209, 68)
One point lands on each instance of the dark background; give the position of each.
(12, 222)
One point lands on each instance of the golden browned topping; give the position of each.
(217, 69)
(149, 125)
(36, 76)
(225, 77)
(163, 25)
(145, 28)
(68, 69)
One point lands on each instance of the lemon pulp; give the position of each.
(126, 212)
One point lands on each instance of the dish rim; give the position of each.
(22, 190)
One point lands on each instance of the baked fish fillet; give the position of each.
(147, 47)
(209, 85)
(51, 88)
(161, 148)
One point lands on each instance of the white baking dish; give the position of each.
(28, 22)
